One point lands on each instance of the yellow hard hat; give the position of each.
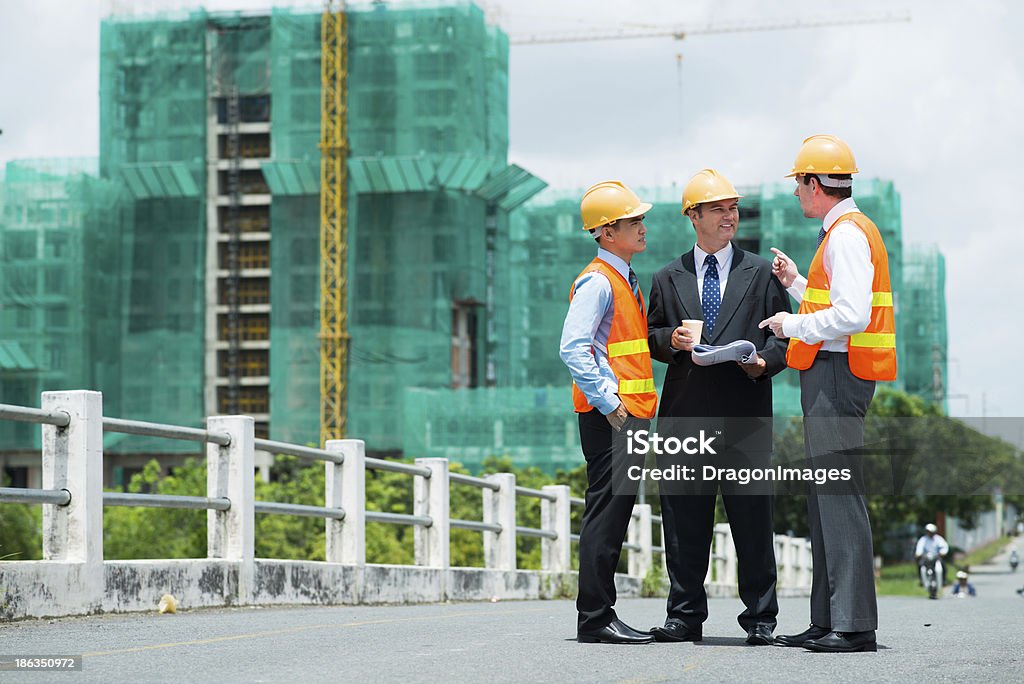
(610, 201)
(823, 154)
(707, 186)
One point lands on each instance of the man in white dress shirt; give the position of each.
(843, 341)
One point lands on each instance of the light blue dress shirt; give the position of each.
(586, 327)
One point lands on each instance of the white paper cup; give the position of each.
(695, 327)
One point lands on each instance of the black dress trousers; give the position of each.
(610, 497)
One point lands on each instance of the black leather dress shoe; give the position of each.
(760, 635)
(676, 631)
(814, 632)
(615, 632)
(843, 642)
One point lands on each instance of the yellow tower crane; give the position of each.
(334, 335)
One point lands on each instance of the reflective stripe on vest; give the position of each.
(815, 295)
(636, 386)
(628, 353)
(873, 340)
(872, 353)
(627, 347)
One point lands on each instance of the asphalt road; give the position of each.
(950, 639)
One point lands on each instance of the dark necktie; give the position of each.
(712, 294)
(635, 284)
(821, 236)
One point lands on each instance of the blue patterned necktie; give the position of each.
(821, 236)
(712, 294)
(635, 284)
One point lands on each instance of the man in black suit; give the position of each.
(730, 290)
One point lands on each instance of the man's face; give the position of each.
(716, 223)
(628, 235)
(805, 193)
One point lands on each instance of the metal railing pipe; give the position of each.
(475, 525)
(138, 427)
(533, 532)
(25, 414)
(399, 518)
(275, 508)
(165, 501)
(57, 497)
(472, 481)
(535, 493)
(306, 452)
(396, 467)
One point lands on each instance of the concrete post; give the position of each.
(640, 534)
(556, 516)
(789, 562)
(806, 565)
(500, 508)
(664, 547)
(430, 497)
(731, 577)
(781, 549)
(73, 460)
(230, 473)
(346, 489)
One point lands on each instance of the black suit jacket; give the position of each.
(752, 294)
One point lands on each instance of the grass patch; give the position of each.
(900, 579)
(985, 553)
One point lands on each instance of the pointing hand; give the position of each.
(784, 268)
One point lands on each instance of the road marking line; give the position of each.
(296, 630)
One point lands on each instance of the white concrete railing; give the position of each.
(74, 578)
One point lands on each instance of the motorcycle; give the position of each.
(929, 577)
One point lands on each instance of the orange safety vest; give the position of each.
(628, 353)
(872, 353)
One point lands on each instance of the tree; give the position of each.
(130, 533)
(21, 535)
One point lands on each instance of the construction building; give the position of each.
(212, 121)
(61, 230)
(924, 366)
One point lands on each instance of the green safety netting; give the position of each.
(924, 364)
(428, 133)
(61, 287)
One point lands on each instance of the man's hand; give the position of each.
(618, 417)
(775, 323)
(682, 339)
(784, 268)
(754, 370)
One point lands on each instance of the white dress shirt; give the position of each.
(847, 263)
(724, 257)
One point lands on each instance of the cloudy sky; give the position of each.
(935, 104)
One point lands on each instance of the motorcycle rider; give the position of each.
(931, 542)
(963, 588)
